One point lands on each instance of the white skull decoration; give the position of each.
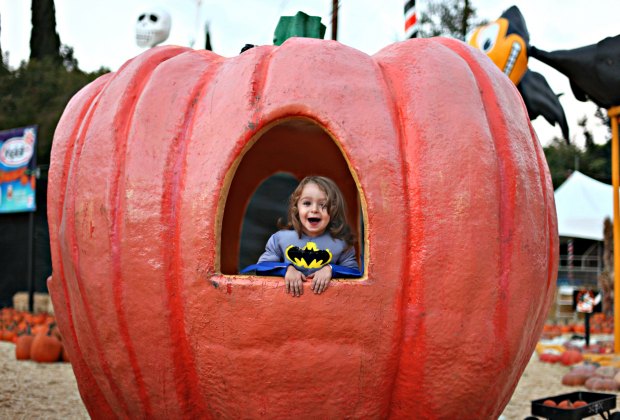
(152, 28)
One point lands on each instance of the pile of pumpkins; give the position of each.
(36, 336)
(593, 377)
(599, 324)
(592, 367)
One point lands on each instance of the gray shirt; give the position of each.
(308, 254)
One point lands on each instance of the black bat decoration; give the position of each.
(517, 23)
(541, 100)
(593, 70)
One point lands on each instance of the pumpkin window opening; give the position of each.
(267, 174)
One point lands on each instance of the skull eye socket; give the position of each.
(141, 17)
(153, 18)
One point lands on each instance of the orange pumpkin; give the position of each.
(45, 348)
(571, 357)
(574, 379)
(23, 345)
(151, 171)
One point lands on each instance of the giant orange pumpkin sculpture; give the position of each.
(152, 167)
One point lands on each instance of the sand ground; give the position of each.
(30, 390)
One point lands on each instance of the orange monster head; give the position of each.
(505, 42)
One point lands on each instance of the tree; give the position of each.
(44, 40)
(454, 18)
(37, 93)
(596, 158)
(593, 160)
(3, 67)
(562, 159)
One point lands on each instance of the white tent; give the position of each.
(582, 204)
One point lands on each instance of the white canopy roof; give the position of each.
(582, 204)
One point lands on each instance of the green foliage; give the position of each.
(562, 159)
(37, 93)
(594, 160)
(453, 18)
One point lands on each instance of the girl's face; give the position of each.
(312, 207)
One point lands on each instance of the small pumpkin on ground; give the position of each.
(23, 345)
(46, 348)
(585, 369)
(574, 379)
(8, 333)
(606, 371)
(549, 357)
(571, 357)
(597, 383)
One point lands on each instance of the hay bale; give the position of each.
(41, 303)
(20, 301)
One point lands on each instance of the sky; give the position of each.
(102, 33)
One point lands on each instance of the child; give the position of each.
(316, 236)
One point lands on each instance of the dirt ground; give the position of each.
(30, 390)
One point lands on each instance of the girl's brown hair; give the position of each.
(338, 226)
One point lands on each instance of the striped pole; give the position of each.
(571, 257)
(411, 20)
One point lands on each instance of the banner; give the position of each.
(17, 169)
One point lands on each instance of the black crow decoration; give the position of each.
(506, 42)
(593, 70)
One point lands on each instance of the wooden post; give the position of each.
(613, 113)
(335, 20)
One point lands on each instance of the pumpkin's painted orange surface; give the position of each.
(461, 236)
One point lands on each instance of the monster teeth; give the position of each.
(512, 58)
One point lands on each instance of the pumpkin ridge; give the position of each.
(77, 358)
(259, 79)
(552, 233)
(122, 121)
(261, 58)
(187, 382)
(72, 243)
(506, 170)
(390, 95)
(548, 223)
(414, 300)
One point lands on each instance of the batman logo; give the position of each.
(309, 256)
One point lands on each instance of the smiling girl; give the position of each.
(316, 236)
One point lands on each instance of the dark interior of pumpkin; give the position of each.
(267, 175)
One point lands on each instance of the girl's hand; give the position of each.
(321, 279)
(293, 280)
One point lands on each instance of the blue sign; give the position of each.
(18, 154)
